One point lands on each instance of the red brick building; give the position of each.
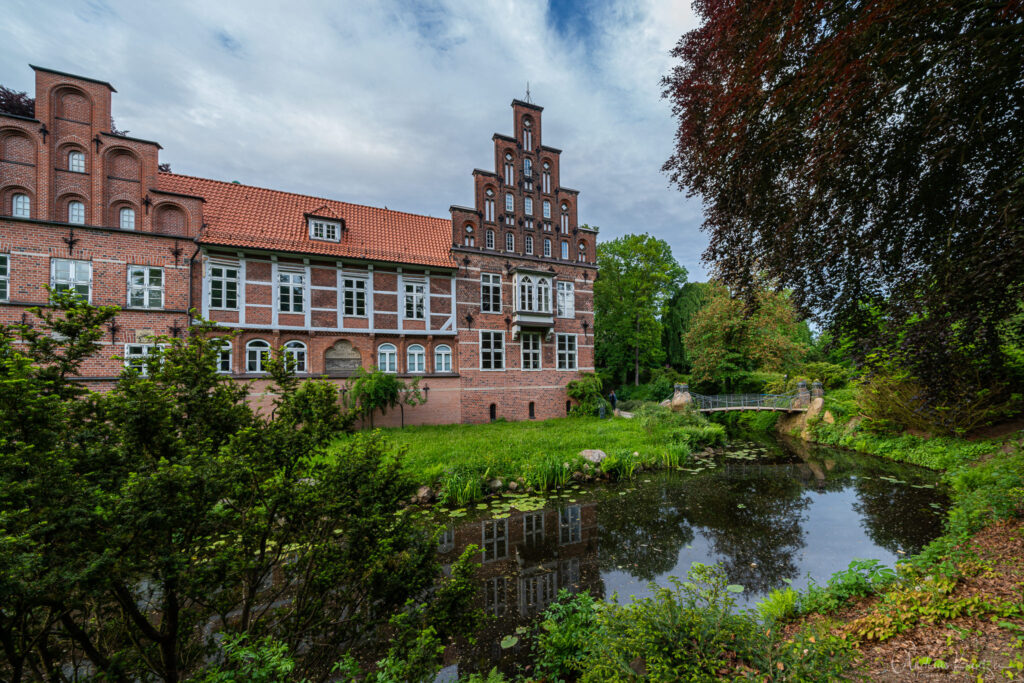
(493, 308)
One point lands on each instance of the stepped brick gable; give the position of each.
(492, 308)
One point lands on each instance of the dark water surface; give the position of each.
(767, 511)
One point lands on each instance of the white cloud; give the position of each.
(386, 103)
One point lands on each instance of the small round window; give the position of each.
(469, 228)
(546, 165)
(565, 207)
(508, 156)
(526, 123)
(490, 192)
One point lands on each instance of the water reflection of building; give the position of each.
(526, 559)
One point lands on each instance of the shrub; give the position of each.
(566, 636)
(586, 392)
(861, 578)
(780, 605)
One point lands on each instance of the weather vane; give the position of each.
(528, 92)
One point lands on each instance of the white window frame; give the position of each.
(495, 544)
(533, 527)
(75, 278)
(415, 299)
(528, 206)
(566, 305)
(489, 239)
(565, 223)
(76, 161)
(565, 251)
(225, 356)
(21, 206)
(528, 245)
(387, 358)
(526, 293)
(416, 359)
(547, 248)
(490, 289)
(546, 207)
(570, 525)
(527, 168)
(5, 277)
(510, 171)
(566, 353)
(291, 290)
(146, 289)
(534, 294)
(527, 136)
(353, 297)
(489, 207)
(492, 358)
(126, 218)
(442, 358)
(135, 356)
(546, 182)
(510, 242)
(76, 212)
(324, 230)
(530, 351)
(510, 203)
(296, 352)
(262, 349)
(224, 281)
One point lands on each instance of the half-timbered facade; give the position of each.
(492, 308)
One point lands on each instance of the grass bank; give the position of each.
(459, 461)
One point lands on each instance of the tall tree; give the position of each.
(870, 157)
(638, 273)
(676, 321)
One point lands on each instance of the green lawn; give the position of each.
(459, 459)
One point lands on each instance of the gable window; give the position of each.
(415, 359)
(443, 358)
(354, 296)
(531, 351)
(565, 219)
(510, 172)
(21, 206)
(546, 179)
(547, 248)
(528, 206)
(295, 355)
(145, 287)
(290, 291)
(528, 244)
(320, 229)
(223, 286)
(489, 239)
(510, 203)
(565, 250)
(582, 255)
(547, 209)
(136, 357)
(492, 350)
(527, 135)
(5, 277)
(256, 354)
(510, 242)
(489, 205)
(71, 276)
(127, 219)
(566, 307)
(76, 162)
(224, 354)
(387, 358)
(490, 293)
(527, 168)
(566, 351)
(76, 213)
(414, 294)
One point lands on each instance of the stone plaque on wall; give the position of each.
(341, 360)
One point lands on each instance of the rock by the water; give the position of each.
(593, 455)
(513, 485)
(424, 495)
(496, 484)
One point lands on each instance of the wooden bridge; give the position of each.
(793, 402)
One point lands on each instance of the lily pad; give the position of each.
(734, 588)
(509, 641)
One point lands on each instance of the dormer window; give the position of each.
(322, 229)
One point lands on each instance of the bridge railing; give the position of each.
(724, 401)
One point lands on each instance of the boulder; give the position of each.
(593, 455)
(513, 485)
(577, 476)
(496, 484)
(424, 495)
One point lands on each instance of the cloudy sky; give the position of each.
(390, 102)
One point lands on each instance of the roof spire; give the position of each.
(528, 93)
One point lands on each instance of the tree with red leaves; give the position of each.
(17, 103)
(869, 157)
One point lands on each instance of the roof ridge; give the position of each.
(298, 194)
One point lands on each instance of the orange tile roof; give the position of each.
(255, 217)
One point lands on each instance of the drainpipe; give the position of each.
(191, 265)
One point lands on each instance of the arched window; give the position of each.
(256, 354)
(76, 162)
(224, 354)
(494, 412)
(527, 168)
(528, 244)
(525, 293)
(76, 213)
(547, 209)
(490, 239)
(489, 205)
(528, 206)
(547, 248)
(295, 354)
(415, 359)
(127, 219)
(565, 250)
(510, 203)
(546, 179)
(510, 171)
(443, 358)
(532, 412)
(510, 242)
(543, 296)
(582, 257)
(565, 219)
(527, 135)
(21, 206)
(387, 358)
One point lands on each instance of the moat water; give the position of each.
(772, 512)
